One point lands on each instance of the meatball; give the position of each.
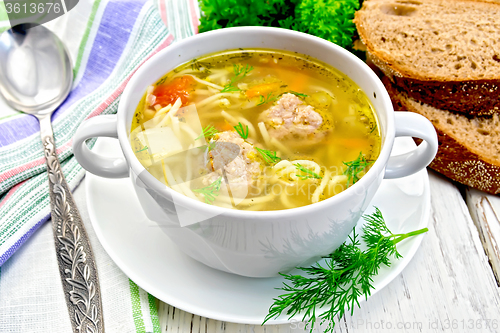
(292, 118)
(236, 157)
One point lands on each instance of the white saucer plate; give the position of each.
(151, 260)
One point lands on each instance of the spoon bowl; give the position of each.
(35, 70)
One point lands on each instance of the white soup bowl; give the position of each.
(260, 243)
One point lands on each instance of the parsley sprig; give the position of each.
(306, 173)
(268, 155)
(346, 275)
(239, 73)
(243, 132)
(328, 19)
(354, 168)
(207, 132)
(211, 191)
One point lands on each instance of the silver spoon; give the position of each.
(35, 78)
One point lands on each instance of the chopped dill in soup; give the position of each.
(256, 130)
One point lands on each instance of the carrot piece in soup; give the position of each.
(354, 143)
(177, 88)
(263, 89)
(223, 126)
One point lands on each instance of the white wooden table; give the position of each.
(449, 286)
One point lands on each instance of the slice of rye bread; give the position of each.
(469, 149)
(444, 53)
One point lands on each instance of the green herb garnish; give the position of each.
(211, 145)
(297, 94)
(268, 155)
(207, 132)
(328, 19)
(346, 275)
(241, 131)
(354, 168)
(239, 73)
(211, 191)
(307, 174)
(162, 80)
(198, 65)
(229, 88)
(268, 99)
(312, 15)
(143, 149)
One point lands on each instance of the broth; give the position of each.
(256, 130)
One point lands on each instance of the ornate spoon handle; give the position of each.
(76, 262)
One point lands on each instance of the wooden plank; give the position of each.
(447, 287)
(485, 211)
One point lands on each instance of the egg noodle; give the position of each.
(212, 130)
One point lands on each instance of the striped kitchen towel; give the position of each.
(108, 40)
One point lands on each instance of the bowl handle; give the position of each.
(99, 165)
(415, 125)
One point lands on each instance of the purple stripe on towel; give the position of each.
(116, 25)
(24, 238)
(17, 128)
(114, 31)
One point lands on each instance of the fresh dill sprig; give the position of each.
(307, 174)
(346, 275)
(239, 73)
(211, 191)
(201, 66)
(268, 155)
(242, 131)
(297, 94)
(354, 168)
(211, 145)
(207, 132)
(229, 88)
(143, 149)
(268, 99)
(162, 80)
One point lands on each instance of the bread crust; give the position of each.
(453, 159)
(470, 98)
(389, 60)
(474, 96)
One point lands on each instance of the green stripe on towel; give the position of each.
(136, 307)
(153, 310)
(85, 37)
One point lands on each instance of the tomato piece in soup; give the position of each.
(177, 88)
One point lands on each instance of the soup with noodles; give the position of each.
(256, 130)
